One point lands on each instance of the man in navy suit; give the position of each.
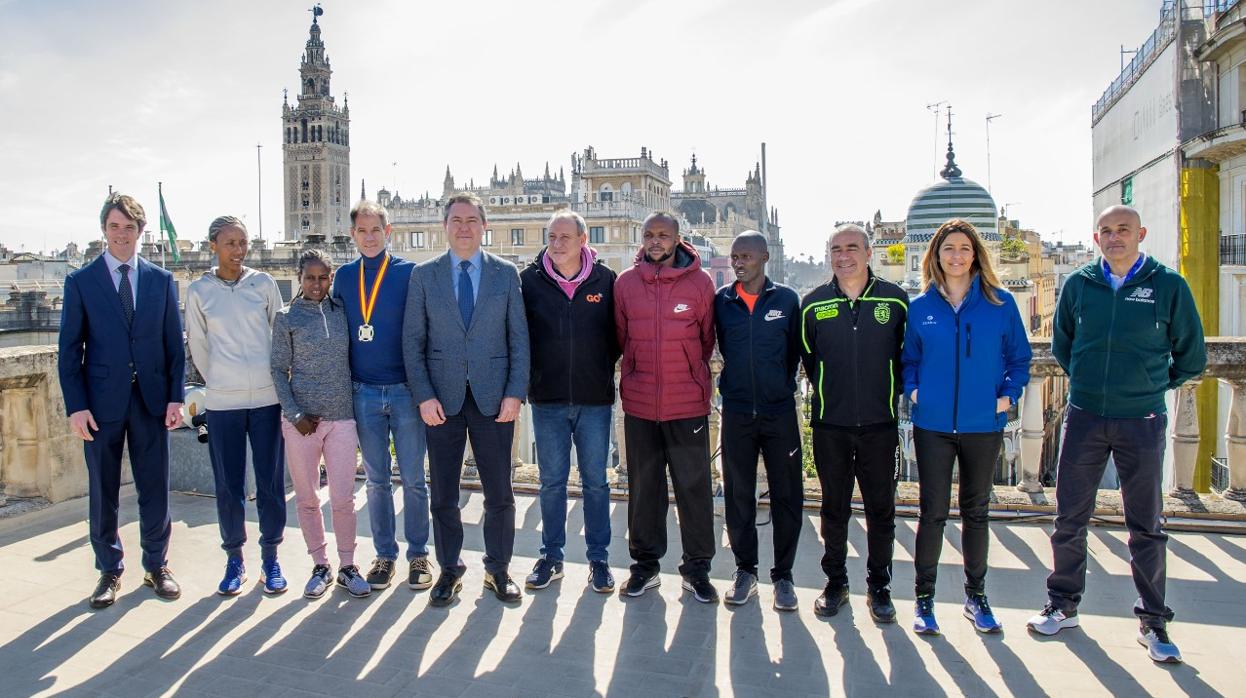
(121, 369)
(465, 347)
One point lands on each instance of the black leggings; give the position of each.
(976, 455)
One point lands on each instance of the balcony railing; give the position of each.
(1233, 249)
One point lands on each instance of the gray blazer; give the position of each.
(442, 356)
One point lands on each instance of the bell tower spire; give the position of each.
(316, 149)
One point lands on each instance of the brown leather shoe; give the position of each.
(163, 583)
(105, 590)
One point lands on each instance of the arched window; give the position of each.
(605, 193)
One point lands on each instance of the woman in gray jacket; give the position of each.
(311, 369)
(229, 318)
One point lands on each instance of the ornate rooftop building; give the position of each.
(721, 214)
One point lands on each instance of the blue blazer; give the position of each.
(442, 356)
(962, 362)
(99, 356)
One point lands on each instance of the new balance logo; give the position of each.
(1141, 294)
(774, 315)
(682, 307)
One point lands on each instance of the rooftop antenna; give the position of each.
(934, 107)
(989, 117)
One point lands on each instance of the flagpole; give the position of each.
(160, 194)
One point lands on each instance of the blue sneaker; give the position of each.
(925, 623)
(270, 575)
(235, 577)
(321, 578)
(979, 611)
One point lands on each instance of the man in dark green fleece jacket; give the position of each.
(1126, 332)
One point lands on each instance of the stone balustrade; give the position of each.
(40, 458)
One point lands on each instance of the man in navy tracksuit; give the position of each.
(758, 326)
(852, 331)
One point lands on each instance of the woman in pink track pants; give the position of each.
(311, 371)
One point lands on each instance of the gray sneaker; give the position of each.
(743, 588)
(1158, 646)
(349, 578)
(785, 596)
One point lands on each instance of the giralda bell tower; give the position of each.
(316, 150)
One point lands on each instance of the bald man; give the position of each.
(758, 326)
(1126, 332)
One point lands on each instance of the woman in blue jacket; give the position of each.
(966, 359)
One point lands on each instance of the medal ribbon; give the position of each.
(368, 302)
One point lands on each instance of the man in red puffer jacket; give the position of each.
(664, 314)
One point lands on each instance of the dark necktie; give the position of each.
(466, 302)
(127, 294)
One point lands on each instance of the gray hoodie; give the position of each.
(229, 333)
(311, 360)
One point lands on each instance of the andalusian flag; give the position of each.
(166, 228)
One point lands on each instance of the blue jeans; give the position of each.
(557, 427)
(382, 411)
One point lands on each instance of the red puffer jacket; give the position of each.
(665, 320)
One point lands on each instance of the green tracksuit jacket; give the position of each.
(1124, 349)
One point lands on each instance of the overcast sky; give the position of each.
(131, 92)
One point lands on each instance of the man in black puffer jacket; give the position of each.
(758, 327)
(569, 300)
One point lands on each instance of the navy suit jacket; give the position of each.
(442, 356)
(99, 355)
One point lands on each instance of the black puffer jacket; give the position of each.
(573, 342)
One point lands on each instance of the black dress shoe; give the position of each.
(503, 587)
(445, 590)
(105, 591)
(163, 583)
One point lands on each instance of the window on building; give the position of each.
(488, 238)
(417, 239)
(1127, 191)
(516, 236)
(544, 236)
(597, 234)
(306, 223)
(913, 264)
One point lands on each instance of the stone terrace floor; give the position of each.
(567, 640)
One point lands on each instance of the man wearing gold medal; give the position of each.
(373, 289)
(466, 352)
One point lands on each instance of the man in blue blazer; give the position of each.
(121, 369)
(465, 347)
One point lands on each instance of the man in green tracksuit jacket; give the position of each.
(1126, 332)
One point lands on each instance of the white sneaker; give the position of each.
(1158, 646)
(1051, 620)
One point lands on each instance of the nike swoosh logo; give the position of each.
(793, 452)
(698, 429)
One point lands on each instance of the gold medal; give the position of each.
(368, 302)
